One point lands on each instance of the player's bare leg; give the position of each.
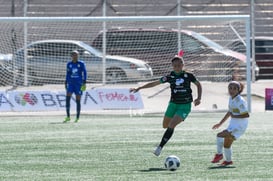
(166, 122)
(175, 121)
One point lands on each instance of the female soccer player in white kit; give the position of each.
(237, 125)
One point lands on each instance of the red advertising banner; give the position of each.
(268, 99)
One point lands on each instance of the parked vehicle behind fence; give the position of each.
(46, 63)
(207, 59)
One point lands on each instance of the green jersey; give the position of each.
(180, 85)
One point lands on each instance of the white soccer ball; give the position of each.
(172, 162)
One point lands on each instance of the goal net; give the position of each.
(154, 42)
(34, 51)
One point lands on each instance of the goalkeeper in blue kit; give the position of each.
(75, 82)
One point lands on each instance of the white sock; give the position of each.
(219, 143)
(228, 154)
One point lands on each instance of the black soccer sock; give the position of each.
(67, 105)
(167, 135)
(78, 103)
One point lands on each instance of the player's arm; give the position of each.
(84, 72)
(66, 76)
(148, 85)
(67, 73)
(227, 115)
(197, 101)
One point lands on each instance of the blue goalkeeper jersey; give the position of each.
(76, 72)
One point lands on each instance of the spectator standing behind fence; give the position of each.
(237, 124)
(181, 98)
(75, 82)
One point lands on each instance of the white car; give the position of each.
(5, 58)
(47, 59)
(5, 69)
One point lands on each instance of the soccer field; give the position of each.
(120, 148)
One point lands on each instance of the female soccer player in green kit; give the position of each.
(181, 98)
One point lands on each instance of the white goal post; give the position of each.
(168, 35)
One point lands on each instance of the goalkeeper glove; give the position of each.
(83, 87)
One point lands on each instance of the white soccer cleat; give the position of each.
(157, 150)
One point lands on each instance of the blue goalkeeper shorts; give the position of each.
(74, 88)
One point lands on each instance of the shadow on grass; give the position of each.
(153, 170)
(220, 167)
(58, 123)
(70, 122)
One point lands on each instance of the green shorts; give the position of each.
(181, 110)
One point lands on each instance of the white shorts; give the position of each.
(237, 127)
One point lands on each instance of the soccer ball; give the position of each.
(172, 162)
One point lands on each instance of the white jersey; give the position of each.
(237, 106)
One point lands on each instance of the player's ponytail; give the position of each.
(241, 87)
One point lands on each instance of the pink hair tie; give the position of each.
(180, 53)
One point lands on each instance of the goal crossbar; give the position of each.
(127, 18)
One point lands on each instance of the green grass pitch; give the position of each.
(120, 148)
